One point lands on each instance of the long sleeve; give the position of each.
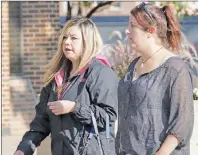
(102, 91)
(181, 117)
(39, 127)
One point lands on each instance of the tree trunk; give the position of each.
(79, 9)
(69, 11)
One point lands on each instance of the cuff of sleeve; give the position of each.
(179, 138)
(76, 107)
(27, 147)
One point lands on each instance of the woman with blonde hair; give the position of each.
(156, 94)
(78, 104)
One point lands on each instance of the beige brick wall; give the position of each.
(22, 105)
(5, 66)
(40, 27)
(30, 33)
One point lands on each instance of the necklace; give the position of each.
(143, 61)
(134, 71)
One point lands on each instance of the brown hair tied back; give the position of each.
(173, 29)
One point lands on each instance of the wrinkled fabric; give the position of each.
(153, 106)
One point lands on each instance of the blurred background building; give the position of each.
(30, 31)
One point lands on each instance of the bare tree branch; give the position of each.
(106, 6)
(97, 7)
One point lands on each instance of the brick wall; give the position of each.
(5, 66)
(30, 33)
(40, 26)
(22, 105)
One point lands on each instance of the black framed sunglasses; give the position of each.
(146, 9)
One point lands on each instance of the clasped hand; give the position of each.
(61, 106)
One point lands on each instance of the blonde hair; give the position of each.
(92, 44)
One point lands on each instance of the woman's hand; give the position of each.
(18, 152)
(61, 106)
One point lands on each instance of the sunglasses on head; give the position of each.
(146, 9)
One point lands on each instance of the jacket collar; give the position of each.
(60, 75)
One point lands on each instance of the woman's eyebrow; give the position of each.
(74, 34)
(71, 35)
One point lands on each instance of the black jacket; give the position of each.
(94, 89)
